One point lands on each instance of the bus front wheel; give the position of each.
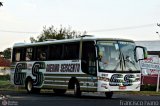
(77, 91)
(109, 94)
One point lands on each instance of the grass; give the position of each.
(149, 93)
(4, 85)
(4, 77)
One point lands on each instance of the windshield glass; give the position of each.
(116, 56)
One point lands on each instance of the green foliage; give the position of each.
(7, 53)
(148, 87)
(55, 33)
(4, 77)
(4, 83)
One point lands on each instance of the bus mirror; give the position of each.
(140, 53)
(145, 53)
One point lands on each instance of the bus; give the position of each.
(85, 64)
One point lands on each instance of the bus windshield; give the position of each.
(117, 56)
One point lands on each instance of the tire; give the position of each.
(77, 91)
(109, 94)
(59, 91)
(29, 86)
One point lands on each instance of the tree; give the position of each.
(54, 33)
(7, 53)
(1, 4)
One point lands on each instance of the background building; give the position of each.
(149, 76)
(4, 66)
(153, 47)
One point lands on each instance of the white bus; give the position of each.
(85, 64)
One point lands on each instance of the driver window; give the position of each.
(114, 54)
(104, 54)
(108, 54)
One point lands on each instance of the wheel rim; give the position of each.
(29, 86)
(75, 88)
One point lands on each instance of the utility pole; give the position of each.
(158, 70)
(158, 34)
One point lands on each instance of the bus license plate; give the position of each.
(122, 87)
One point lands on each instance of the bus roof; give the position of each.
(68, 40)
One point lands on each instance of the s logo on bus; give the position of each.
(39, 75)
(117, 80)
(19, 76)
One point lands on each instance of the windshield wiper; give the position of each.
(121, 62)
(129, 61)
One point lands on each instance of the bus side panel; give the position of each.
(19, 75)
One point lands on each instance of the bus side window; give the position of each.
(29, 52)
(42, 56)
(70, 51)
(55, 52)
(18, 54)
(42, 53)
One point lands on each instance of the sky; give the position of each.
(129, 19)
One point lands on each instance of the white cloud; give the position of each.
(27, 7)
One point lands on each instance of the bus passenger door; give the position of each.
(92, 76)
(89, 65)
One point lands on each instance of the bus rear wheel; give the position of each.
(77, 91)
(30, 88)
(109, 94)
